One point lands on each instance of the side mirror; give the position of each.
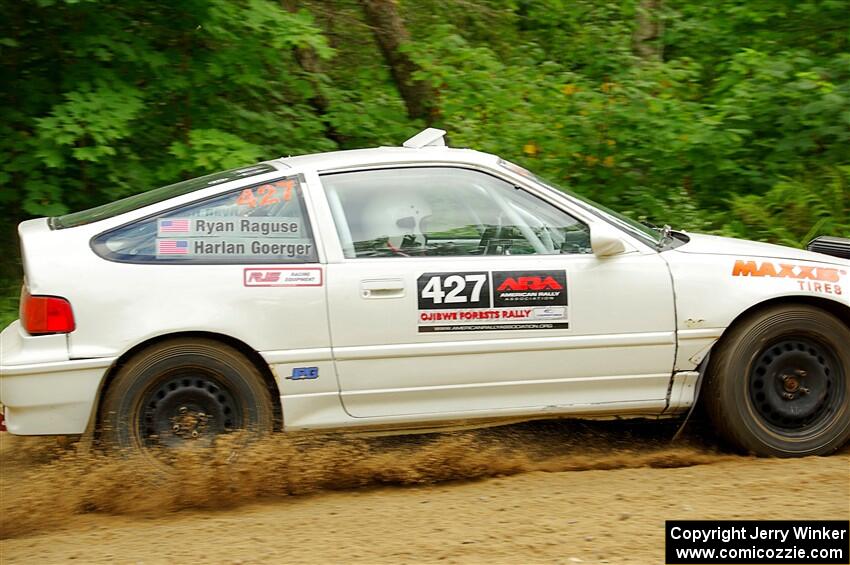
(605, 243)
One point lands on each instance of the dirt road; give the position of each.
(533, 493)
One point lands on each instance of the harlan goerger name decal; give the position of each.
(231, 237)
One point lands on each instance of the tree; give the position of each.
(310, 62)
(392, 37)
(649, 26)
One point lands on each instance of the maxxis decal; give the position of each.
(808, 278)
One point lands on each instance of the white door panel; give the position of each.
(618, 345)
(455, 292)
(493, 387)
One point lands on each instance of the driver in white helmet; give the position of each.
(396, 218)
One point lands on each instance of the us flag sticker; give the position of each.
(175, 226)
(172, 247)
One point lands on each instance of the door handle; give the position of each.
(382, 288)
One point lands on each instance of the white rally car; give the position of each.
(418, 287)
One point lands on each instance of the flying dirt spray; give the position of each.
(42, 486)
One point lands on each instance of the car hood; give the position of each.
(716, 245)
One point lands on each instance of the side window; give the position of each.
(443, 211)
(264, 223)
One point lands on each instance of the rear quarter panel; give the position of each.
(119, 305)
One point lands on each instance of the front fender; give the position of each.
(713, 290)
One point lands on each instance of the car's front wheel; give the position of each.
(182, 393)
(779, 385)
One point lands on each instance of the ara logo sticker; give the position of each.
(283, 276)
(529, 288)
(530, 283)
(304, 373)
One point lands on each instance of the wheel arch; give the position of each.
(249, 352)
(837, 309)
(726, 427)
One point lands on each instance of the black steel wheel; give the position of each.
(189, 404)
(796, 384)
(778, 383)
(184, 393)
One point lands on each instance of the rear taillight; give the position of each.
(46, 314)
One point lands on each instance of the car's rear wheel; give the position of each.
(779, 385)
(184, 393)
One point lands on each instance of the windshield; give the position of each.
(154, 196)
(622, 221)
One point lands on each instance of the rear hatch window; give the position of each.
(154, 196)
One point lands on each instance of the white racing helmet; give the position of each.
(396, 215)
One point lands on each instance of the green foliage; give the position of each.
(677, 142)
(10, 291)
(795, 210)
(212, 149)
(741, 128)
(102, 99)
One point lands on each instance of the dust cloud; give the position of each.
(43, 484)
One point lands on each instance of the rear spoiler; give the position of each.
(835, 246)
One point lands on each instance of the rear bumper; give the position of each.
(43, 393)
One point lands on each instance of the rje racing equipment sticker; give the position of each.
(282, 276)
(488, 301)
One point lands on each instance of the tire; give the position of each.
(780, 383)
(184, 393)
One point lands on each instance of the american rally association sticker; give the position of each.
(282, 276)
(488, 301)
(530, 288)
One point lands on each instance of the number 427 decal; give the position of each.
(453, 290)
(268, 194)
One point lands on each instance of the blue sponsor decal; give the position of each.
(303, 373)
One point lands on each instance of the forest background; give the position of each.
(722, 116)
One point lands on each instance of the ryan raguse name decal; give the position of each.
(487, 301)
(234, 227)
